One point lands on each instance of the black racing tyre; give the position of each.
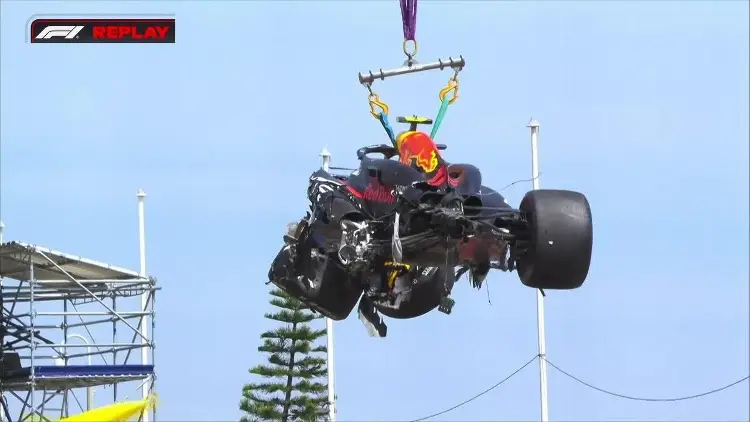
(281, 273)
(334, 296)
(337, 293)
(427, 289)
(560, 239)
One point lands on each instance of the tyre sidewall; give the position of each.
(560, 240)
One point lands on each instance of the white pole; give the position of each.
(326, 156)
(89, 390)
(534, 127)
(2, 227)
(141, 195)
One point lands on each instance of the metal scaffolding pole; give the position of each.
(34, 281)
(32, 330)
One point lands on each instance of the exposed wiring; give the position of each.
(649, 399)
(520, 181)
(478, 395)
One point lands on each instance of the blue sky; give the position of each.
(643, 106)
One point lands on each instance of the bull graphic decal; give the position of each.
(417, 149)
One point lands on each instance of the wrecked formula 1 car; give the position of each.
(397, 233)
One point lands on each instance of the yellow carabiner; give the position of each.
(452, 86)
(374, 101)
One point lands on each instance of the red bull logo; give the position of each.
(378, 193)
(417, 149)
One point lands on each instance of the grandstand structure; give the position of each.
(72, 328)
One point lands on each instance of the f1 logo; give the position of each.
(68, 32)
(101, 30)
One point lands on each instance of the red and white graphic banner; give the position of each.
(110, 30)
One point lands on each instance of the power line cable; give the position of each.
(480, 394)
(573, 377)
(648, 399)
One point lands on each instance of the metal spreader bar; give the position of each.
(370, 76)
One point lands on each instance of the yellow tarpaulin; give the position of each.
(118, 412)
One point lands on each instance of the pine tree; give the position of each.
(293, 387)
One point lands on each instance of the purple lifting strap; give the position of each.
(409, 18)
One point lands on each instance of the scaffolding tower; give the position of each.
(49, 299)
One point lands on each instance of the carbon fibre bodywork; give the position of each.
(392, 237)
